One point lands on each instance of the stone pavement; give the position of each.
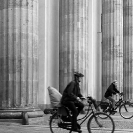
(41, 129)
(122, 126)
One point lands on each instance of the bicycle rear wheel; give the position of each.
(58, 126)
(97, 124)
(126, 110)
(106, 110)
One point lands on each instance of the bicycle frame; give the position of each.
(84, 118)
(88, 114)
(118, 103)
(91, 115)
(90, 111)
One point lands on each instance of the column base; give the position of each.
(20, 114)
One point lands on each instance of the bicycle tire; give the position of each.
(55, 124)
(96, 123)
(126, 110)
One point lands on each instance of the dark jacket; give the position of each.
(111, 90)
(71, 92)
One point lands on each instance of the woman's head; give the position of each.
(115, 82)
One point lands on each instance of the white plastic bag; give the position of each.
(55, 96)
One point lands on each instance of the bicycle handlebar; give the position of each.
(82, 98)
(89, 98)
(121, 94)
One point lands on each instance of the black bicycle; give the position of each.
(95, 123)
(125, 107)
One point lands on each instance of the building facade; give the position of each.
(44, 41)
(70, 40)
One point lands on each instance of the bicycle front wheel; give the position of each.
(126, 110)
(97, 124)
(58, 126)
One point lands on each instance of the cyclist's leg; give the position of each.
(72, 107)
(79, 106)
(95, 104)
(112, 101)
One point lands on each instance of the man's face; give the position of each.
(78, 79)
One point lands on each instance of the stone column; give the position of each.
(18, 57)
(73, 43)
(112, 43)
(128, 48)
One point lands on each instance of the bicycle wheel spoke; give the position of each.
(99, 125)
(56, 126)
(126, 110)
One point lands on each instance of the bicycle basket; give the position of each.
(104, 105)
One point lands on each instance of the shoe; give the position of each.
(113, 112)
(76, 130)
(79, 127)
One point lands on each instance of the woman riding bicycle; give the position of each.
(112, 90)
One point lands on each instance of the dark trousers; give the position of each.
(75, 107)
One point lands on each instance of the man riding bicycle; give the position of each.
(112, 90)
(71, 98)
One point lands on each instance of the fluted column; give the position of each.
(73, 47)
(112, 43)
(18, 55)
(128, 48)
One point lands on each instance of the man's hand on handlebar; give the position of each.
(121, 94)
(82, 98)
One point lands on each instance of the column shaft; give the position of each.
(112, 43)
(18, 54)
(73, 41)
(128, 48)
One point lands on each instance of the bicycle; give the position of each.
(95, 123)
(125, 107)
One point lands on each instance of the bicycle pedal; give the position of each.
(112, 113)
(79, 131)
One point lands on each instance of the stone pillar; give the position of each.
(128, 48)
(73, 42)
(112, 43)
(18, 58)
(48, 49)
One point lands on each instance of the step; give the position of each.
(10, 121)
